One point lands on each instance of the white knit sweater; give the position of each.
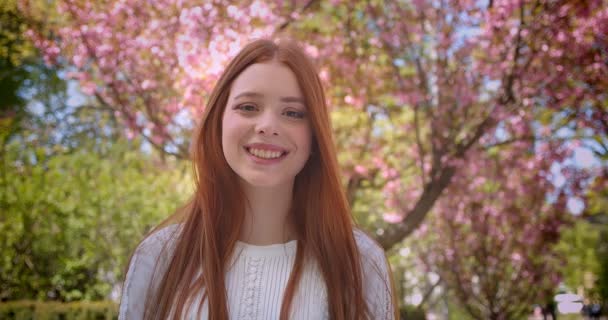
(256, 280)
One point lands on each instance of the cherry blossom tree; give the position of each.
(493, 242)
(417, 89)
(470, 74)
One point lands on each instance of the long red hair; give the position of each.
(212, 220)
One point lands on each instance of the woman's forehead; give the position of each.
(266, 80)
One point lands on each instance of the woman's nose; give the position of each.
(267, 124)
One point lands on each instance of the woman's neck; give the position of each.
(268, 219)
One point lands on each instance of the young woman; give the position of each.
(268, 233)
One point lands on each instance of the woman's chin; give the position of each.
(264, 182)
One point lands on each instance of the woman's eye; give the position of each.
(295, 114)
(246, 107)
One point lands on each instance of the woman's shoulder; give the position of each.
(149, 260)
(368, 246)
(373, 259)
(377, 281)
(159, 240)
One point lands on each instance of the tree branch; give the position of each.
(290, 19)
(428, 293)
(532, 138)
(396, 232)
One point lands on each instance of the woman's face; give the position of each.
(266, 133)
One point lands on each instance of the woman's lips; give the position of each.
(265, 153)
(261, 156)
(265, 147)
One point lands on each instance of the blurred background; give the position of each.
(472, 137)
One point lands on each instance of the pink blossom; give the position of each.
(392, 217)
(361, 169)
(349, 99)
(88, 88)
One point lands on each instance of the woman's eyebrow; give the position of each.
(250, 94)
(292, 99)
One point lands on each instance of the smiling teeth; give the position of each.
(265, 153)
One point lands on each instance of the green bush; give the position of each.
(82, 310)
(410, 312)
(69, 221)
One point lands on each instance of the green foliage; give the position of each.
(598, 213)
(23, 74)
(74, 200)
(14, 47)
(412, 313)
(585, 249)
(70, 220)
(578, 246)
(602, 277)
(13, 50)
(83, 310)
(585, 246)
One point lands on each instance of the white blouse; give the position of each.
(257, 278)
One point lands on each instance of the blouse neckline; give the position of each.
(280, 249)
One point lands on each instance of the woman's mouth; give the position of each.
(266, 156)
